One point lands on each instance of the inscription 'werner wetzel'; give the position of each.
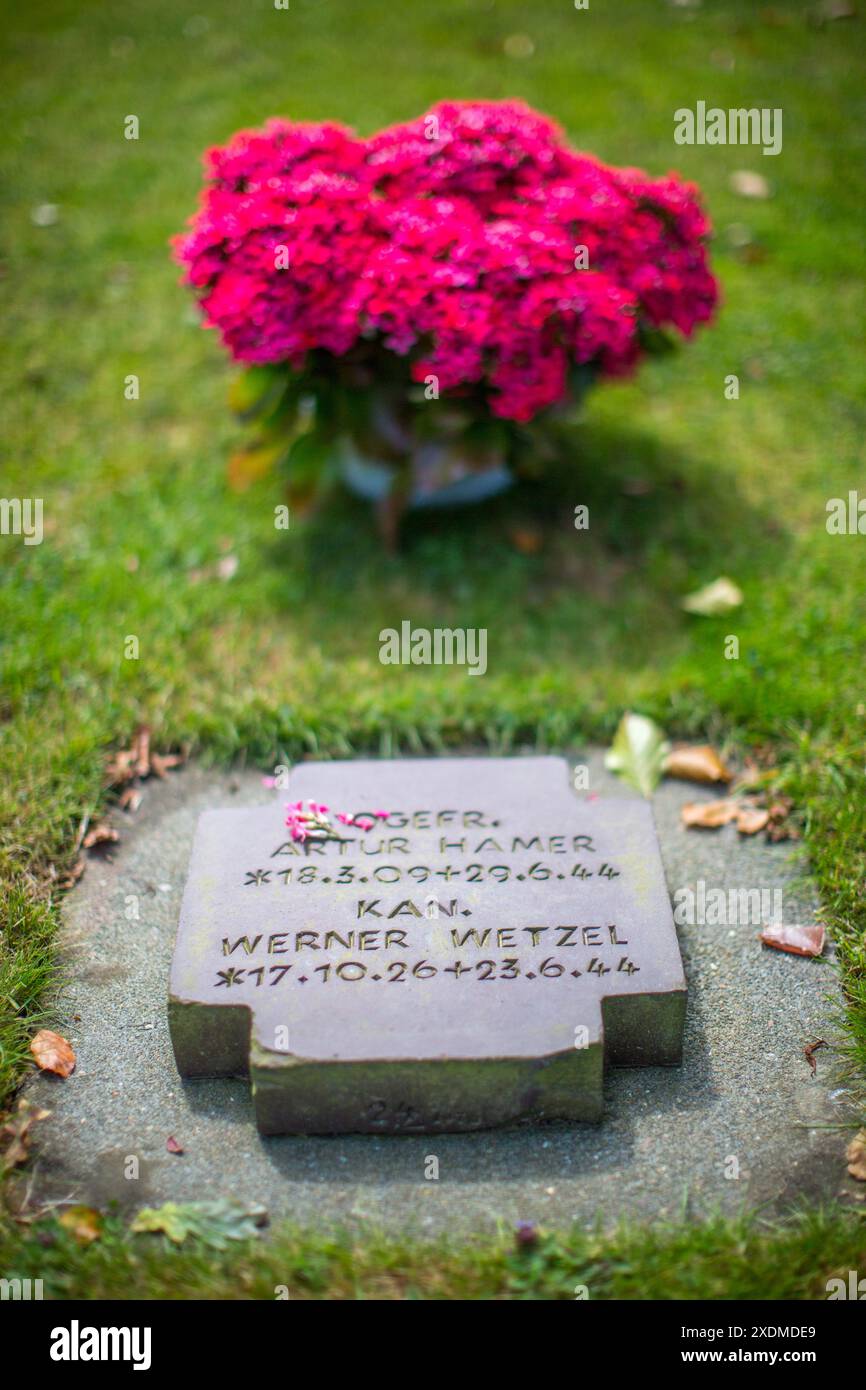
(438, 968)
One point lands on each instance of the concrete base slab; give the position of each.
(742, 1122)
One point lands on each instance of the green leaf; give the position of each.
(638, 752)
(656, 341)
(309, 455)
(256, 390)
(213, 1223)
(719, 597)
(310, 465)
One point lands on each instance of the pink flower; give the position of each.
(473, 242)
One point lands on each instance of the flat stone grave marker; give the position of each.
(474, 957)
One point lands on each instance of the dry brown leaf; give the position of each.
(52, 1052)
(782, 830)
(101, 834)
(141, 751)
(129, 800)
(74, 874)
(796, 940)
(120, 767)
(856, 1156)
(809, 1053)
(709, 815)
(173, 1146)
(161, 762)
(527, 539)
(84, 1223)
(751, 819)
(700, 763)
(16, 1132)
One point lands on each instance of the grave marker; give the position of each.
(473, 958)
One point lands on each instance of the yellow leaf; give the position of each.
(84, 1223)
(247, 466)
(700, 763)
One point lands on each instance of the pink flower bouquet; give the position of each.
(406, 305)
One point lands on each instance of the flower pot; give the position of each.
(440, 476)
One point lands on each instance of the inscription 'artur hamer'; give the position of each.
(353, 988)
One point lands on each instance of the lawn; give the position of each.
(281, 660)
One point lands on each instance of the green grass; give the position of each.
(721, 1259)
(282, 660)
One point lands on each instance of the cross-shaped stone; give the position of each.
(475, 957)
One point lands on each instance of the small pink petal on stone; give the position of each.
(799, 941)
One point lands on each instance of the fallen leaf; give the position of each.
(141, 751)
(636, 487)
(638, 752)
(44, 215)
(809, 1053)
(782, 830)
(74, 874)
(751, 819)
(856, 1156)
(518, 46)
(161, 762)
(121, 767)
(52, 1052)
(749, 184)
(138, 761)
(84, 1223)
(797, 940)
(16, 1133)
(130, 799)
(101, 834)
(709, 815)
(247, 465)
(781, 826)
(214, 1223)
(527, 539)
(700, 763)
(173, 1146)
(836, 9)
(719, 597)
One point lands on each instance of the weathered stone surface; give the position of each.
(476, 957)
(668, 1133)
